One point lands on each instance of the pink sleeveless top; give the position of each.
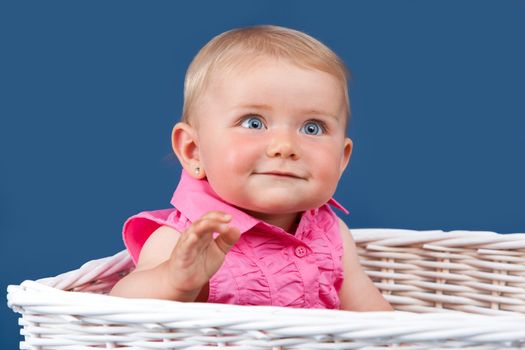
(267, 266)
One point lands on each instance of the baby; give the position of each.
(263, 145)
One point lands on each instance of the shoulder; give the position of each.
(158, 247)
(343, 228)
(138, 228)
(346, 235)
(350, 254)
(358, 292)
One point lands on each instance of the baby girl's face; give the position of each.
(272, 138)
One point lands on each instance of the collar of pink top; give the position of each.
(204, 199)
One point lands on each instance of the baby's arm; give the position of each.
(176, 266)
(358, 293)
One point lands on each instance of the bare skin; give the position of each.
(274, 147)
(178, 266)
(180, 274)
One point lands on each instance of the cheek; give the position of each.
(236, 159)
(229, 155)
(327, 163)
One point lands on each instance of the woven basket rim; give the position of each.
(45, 300)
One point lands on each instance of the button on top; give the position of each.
(300, 251)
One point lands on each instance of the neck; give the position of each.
(288, 222)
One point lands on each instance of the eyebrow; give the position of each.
(305, 111)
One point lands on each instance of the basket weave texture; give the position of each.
(458, 289)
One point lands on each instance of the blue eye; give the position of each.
(253, 123)
(313, 128)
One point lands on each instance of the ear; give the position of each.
(347, 153)
(185, 144)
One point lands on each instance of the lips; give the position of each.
(280, 173)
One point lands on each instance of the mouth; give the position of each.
(281, 174)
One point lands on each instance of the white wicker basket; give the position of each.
(459, 289)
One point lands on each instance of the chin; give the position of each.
(278, 202)
(280, 207)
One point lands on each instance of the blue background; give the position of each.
(90, 91)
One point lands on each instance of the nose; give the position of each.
(282, 144)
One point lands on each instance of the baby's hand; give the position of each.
(197, 255)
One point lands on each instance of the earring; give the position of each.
(197, 171)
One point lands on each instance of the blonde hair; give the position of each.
(232, 48)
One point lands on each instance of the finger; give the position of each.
(206, 226)
(200, 234)
(227, 239)
(217, 215)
